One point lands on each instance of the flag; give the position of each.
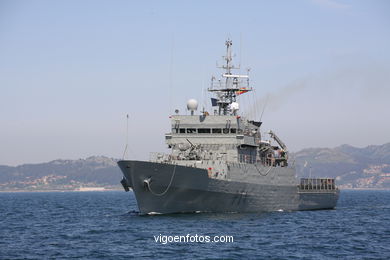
(241, 91)
(214, 102)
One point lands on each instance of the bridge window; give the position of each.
(217, 130)
(182, 130)
(204, 130)
(233, 130)
(191, 130)
(226, 130)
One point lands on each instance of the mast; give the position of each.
(228, 57)
(229, 86)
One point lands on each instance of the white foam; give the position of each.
(154, 213)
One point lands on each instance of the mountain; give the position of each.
(95, 171)
(353, 167)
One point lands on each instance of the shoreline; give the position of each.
(120, 189)
(76, 190)
(364, 189)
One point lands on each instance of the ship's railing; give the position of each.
(160, 157)
(167, 158)
(310, 184)
(271, 161)
(163, 157)
(241, 158)
(242, 82)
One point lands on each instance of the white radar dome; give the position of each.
(192, 105)
(234, 106)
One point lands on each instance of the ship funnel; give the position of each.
(192, 105)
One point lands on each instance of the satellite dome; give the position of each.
(192, 105)
(234, 106)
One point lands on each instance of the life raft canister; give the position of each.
(209, 171)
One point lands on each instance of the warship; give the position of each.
(220, 162)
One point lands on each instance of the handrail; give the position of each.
(309, 184)
(241, 158)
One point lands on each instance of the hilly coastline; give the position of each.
(94, 172)
(353, 168)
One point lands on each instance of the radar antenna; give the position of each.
(230, 86)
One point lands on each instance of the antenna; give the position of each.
(230, 85)
(265, 104)
(239, 66)
(171, 74)
(127, 137)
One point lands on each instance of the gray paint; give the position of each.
(193, 191)
(219, 163)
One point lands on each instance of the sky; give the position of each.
(70, 72)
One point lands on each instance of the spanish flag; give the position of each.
(241, 91)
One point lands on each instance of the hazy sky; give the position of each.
(70, 71)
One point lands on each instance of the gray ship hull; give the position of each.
(162, 188)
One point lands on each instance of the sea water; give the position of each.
(106, 225)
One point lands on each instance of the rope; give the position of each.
(244, 167)
(269, 169)
(166, 190)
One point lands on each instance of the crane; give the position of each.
(277, 139)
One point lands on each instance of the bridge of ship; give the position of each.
(223, 137)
